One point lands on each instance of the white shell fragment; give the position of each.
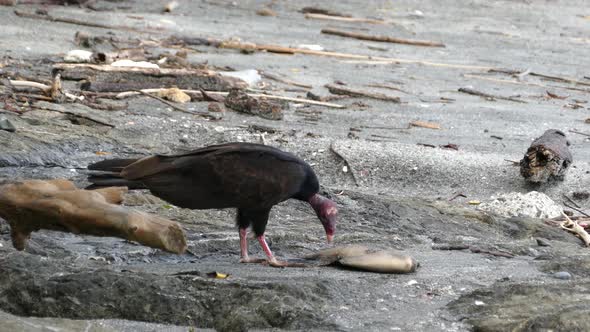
(250, 76)
(78, 56)
(312, 47)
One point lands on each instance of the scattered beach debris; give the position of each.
(548, 158)
(108, 78)
(240, 101)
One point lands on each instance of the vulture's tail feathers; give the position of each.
(107, 173)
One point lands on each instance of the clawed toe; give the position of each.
(252, 260)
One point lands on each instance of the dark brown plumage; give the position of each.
(250, 177)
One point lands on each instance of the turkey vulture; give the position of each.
(247, 176)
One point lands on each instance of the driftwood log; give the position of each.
(58, 205)
(547, 158)
(106, 78)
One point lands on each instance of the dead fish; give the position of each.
(381, 261)
(336, 253)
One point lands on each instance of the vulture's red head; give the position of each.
(327, 213)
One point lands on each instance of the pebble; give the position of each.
(563, 275)
(7, 125)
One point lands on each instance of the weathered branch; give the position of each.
(572, 226)
(340, 90)
(547, 158)
(32, 205)
(382, 39)
(487, 95)
(344, 19)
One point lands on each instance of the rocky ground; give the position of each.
(395, 193)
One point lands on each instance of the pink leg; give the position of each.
(244, 248)
(271, 258)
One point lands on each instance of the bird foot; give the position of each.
(276, 263)
(252, 260)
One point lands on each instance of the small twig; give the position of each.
(473, 249)
(491, 252)
(424, 124)
(578, 132)
(450, 247)
(318, 10)
(339, 90)
(571, 201)
(559, 79)
(575, 208)
(383, 39)
(78, 115)
(346, 162)
(72, 21)
(33, 96)
(487, 95)
(29, 84)
(426, 145)
(382, 136)
(522, 83)
(344, 19)
(384, 127)
(385, 86)
(457, 195)
(285, 81)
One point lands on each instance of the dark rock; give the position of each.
(33, 286)
(522, 307)
(541, 242)
(579, 265)
(581, 195)
(7, 125)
